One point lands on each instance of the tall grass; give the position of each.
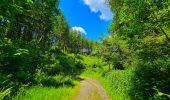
(57, 87)
(48, 93)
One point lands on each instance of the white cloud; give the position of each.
(79, 29)
(100, 6)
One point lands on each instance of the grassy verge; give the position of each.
(49, 93)
(116, 82)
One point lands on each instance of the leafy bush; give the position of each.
(49, 82)
(18, 63)
(152, 70)
(55, 81)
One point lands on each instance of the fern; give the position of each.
(4, 93)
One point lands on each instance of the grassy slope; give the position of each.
(49, 93)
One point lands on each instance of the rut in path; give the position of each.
(91, 89)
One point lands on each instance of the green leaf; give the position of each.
(30, 1)
(4, 93)
(1, 16)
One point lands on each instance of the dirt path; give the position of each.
(91, 89)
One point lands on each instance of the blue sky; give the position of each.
(91, 17)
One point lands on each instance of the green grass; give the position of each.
(48, 93)
(90, 61)
(116, 82)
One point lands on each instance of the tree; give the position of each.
(62, 31)
(115, 52)
(145, 25)
(140, 17)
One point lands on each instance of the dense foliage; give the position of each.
(138, 48)
(140, 42)
(37, 47)
(35, 39)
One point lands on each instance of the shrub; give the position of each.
(151, 73)
(18, 63)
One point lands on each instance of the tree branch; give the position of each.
(165, 34)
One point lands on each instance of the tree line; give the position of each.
(40, 21)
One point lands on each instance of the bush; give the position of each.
(56, 81)
(18, 63)
(152, 70)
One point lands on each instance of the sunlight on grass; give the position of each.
(114, 93)
(49, 93)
